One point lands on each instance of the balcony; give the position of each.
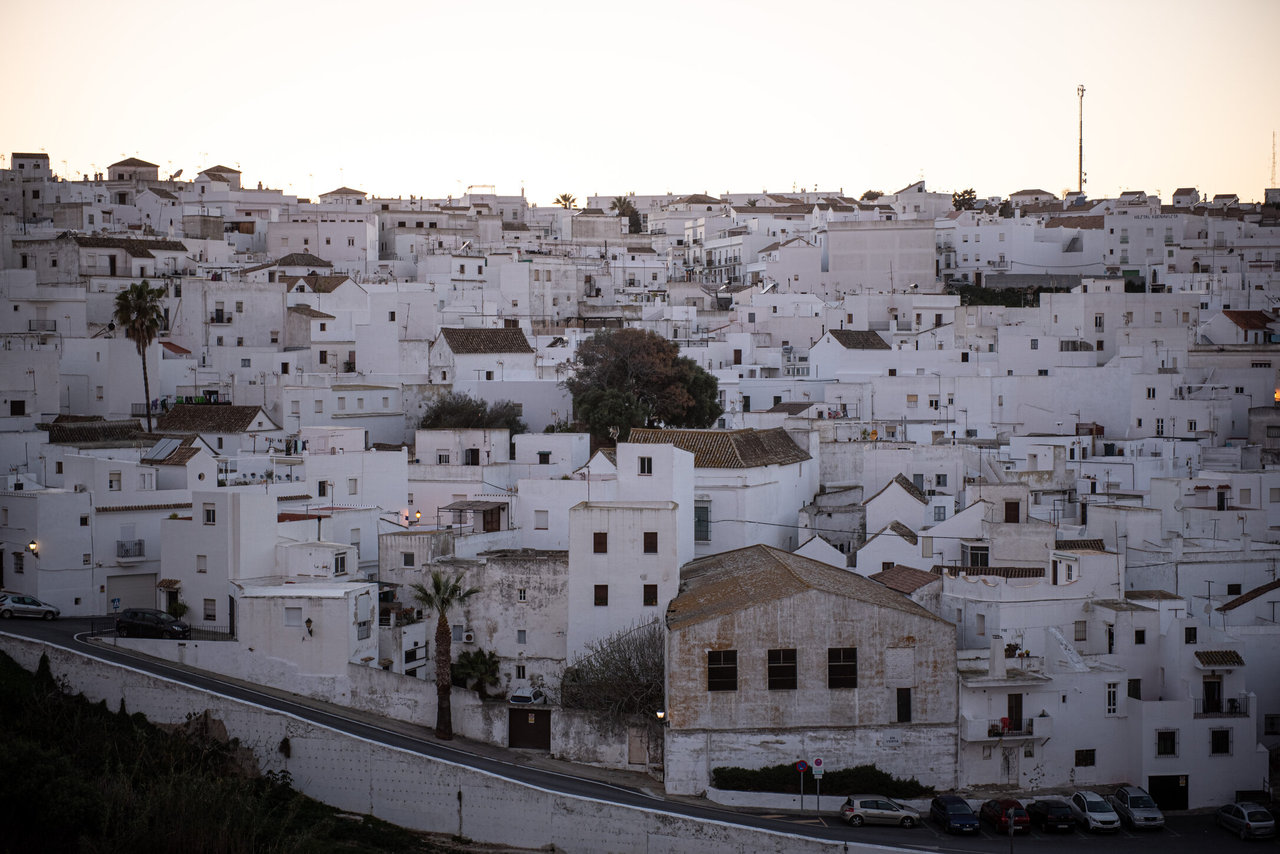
(979, 729)
(42, 325)
(131, 549)
(221, 318)
(1231, 707)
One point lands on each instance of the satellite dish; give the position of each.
(1177, 504)
(177, 174)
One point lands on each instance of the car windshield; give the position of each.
(1098, 806)
(1141, 802)
(165, 617)
(959, 809)
(1258, 815)
(1018, 812)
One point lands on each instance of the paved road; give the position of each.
(1184, 833)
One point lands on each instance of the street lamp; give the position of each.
(34, 547)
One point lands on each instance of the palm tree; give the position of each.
(622, 205)
(443, 594)
(566, 200)
(139, 314)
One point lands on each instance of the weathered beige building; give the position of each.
(772, 658)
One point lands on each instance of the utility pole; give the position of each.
(1080, 163)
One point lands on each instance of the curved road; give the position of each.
(1189, 833)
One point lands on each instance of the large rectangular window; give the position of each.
(842, 667)
(602, 595)
(646, 465)
(651, 542)
(702, 522)
(1220, 742)
(782, 670)
(1086, 758)
(600, 542)
(722, 670)
(1166, 742)
(210, 610)
(650, 595)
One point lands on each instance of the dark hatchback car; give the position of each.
(1051, 814)
(953, 814)
(1001, 811)
(150, 623)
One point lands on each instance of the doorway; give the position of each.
(1168, 790)
(529, 728)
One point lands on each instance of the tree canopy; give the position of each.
(625, 207)
(964, 200)
(619, 675)
(138, 312)
(871, 195)
(566, 200)
(626, 378)
(462, 410)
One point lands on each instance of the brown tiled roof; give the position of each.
(133, 161)
(470, 341)
(858, 339)
(210, 418)
(308, 311)
(1033, 193)
(904, 579)
(1086, 222)
(1219, 658)
(903, 481)
(790, 407)
(1153, 595)
(79, 432)
(778, 210)
(1184, 191)
(216, 176)
(345, 191)
(226, 169)
(697, 199)
(136, 248)
(514, 226)
(302, 259)
(727, 449)
(178, 455)
(1091, 545)
(996, 571)
(162, 193)
(131, 508)
(1249, 596)
(1249, 319)
(169, 583)
(39, 155)
(319, 284)
(733, 581)
(175, 348)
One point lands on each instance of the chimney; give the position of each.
(997, 665)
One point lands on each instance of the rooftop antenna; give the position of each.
(1080, 163)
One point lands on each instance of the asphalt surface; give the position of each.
(1183, 833)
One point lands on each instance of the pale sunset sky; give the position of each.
(427, 98)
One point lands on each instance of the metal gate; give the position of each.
(1168, 790)
(133, 591)
(529, 728)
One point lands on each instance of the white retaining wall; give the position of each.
(407, 789)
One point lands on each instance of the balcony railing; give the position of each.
(131, 548)
(220, 317)
(1010, 726)
(1230, 707)
(41, 325)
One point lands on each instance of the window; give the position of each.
(1011, 511)
(646, 465)
(842, 667)
(522, 594)
(1035, 343)
(544, 458)
(904, 705)
(319, 407)
(1139, 637)
(1086, 758)
(1220, 742)
(1082, 630)
(602, 595)
(18, 559)
(1191, 426)
(975, 555)
(292, 617)
(353, 486)
(522, 636)
(1113, 697)
(210, 610)
(1233, 589)
(913, 401)
(1151, 394)
(84, 522)
(1166, 742)
(340, 563)
(1043, 372)
(540, 520)
(113, 481)
(722, 670)
(940, 480)
(600, 542)
(202, 563)
(1135, 689)
(520, 671)
(650, 595)
(210, 515)
(939, 513)
(782, 670)
(1189, 635)
(244, 363)
(1271, 724)
(702, 522)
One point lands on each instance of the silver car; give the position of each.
(877, 809)
(22, 605)
(1091, 812)
(1248, 820)
(1136, 808)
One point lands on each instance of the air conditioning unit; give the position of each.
(468, 637)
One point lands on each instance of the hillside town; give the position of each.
(988, 494)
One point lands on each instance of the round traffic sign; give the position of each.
(802, 766)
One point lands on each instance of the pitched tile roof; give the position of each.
(97, 430)
(345, 191)
(995, 571)
(308, 311)
(319, 284)
(133, 161)
(302, 259)
(910, 488)
(733, 581)
(1219, 658)
(727, 449)
(790, 407)
(1249, 596)
(136, 248)
(1249, 319)
(226, 169)
(164, 194)
(1091, 545)
(1086, 222)
(858, 339)
(133, 508)
(471, 341)
(210, 418)
(175, 348)
(904, 579)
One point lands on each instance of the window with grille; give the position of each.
(1166, 742)
(1086, 758)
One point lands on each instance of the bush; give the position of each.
(846, 781)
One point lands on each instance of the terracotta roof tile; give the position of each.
(1151, 595)
(1250, 595)
(134, 161)
(1092, 545)
(132, 508)
(994, 571)
(1249, 319)
(727, 449)
(81, 432)
(858, 339)
(319, 284)
(471, 341)
(1219, 658)
(733, 581)
(308, 311)
(136, 248)
(904, 579)
(302, 259)
(210, 418)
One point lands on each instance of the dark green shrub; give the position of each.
(784, 779)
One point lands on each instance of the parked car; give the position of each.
(877, 809)
(1136, 808)
(1247, 820)
(22, 605)
(150, 623)
(953, 814)
(1000, 811)
(1051, 814)
(1092, 812)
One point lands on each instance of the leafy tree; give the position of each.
(625, 378)
(478, 665)
(461, 410)
(1006, 209)
(441, 596)
(566, 200)
(620, 675)
(751, 203)
(964, 200)
(625, 207)
(138, 313)
(871, 195)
